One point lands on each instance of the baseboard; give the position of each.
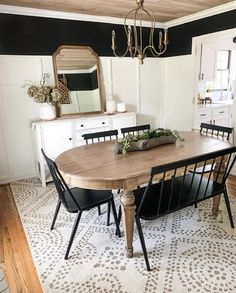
(233, 172)
(17, 177)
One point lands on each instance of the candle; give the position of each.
(129, 34)
(121, 107)
(113, 35)
(166, 35)
(160, 39)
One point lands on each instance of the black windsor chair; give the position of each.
(221, 132)
(135, 129)
(98, 137)
(217, 131)
(77, 200)
(175, 192)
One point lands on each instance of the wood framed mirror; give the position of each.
(77, 77)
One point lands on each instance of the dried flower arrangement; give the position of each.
(43, 93)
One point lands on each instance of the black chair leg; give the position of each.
(72, 236)
(108, 213)
(115, 217)
(228, 208)
(195, 205)
(119, 214)
(99, 210)
(140, 232)
(55, 214)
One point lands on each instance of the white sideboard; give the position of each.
(59, 135)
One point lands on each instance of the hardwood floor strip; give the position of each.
(15, 256)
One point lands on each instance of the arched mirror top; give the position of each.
(76, 71)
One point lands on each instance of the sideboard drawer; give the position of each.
(213, 114)
(90, 124)
(78, 135)
(203, 114)
(220, 111)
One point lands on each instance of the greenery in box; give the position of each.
(147, 140)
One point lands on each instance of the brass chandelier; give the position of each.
(134, 34)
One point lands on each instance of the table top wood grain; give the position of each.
(97, 166)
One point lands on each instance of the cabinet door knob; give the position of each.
(70, 138)
(82, 125)
(103, 122)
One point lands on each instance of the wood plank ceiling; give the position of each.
(164, 10)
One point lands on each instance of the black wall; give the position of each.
(27, 35)
(181, 36)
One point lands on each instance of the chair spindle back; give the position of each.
(178, 188)
(100, 136)
(59, 181)
(216, 130)
(135, 129)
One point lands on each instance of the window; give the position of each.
(221, 84)
(222, 70)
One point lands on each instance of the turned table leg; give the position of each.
(128, 213)
(216, 203)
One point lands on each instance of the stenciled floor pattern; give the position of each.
(189, 251)
(3, 284)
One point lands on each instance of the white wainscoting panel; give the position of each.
(17, 109)
(151, 92)
(123, 69)
(15, 70)
(4, 161)
(179, 76)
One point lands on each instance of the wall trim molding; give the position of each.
(10, 9)
(203, 14)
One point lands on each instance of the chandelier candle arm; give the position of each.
(136, 46)
(166, 36)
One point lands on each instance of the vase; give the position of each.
(47, 111)
(110, 106)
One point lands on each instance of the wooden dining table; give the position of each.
(96, 166)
